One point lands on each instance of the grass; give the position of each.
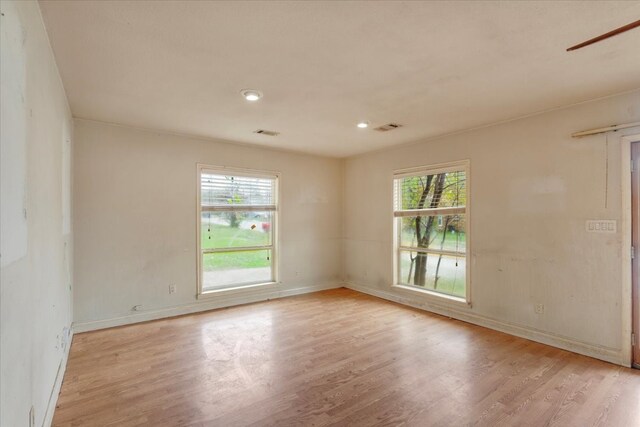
(221, 236)
(446, 284)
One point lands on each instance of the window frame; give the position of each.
(461, 165)
(275, 242)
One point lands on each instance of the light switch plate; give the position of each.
(601, 226)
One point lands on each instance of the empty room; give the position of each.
(319, 213)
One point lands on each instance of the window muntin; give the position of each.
(430, 222)
(237, 219)
(444, 234)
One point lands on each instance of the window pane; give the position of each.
(225, 190)
(434, 272)
(236, 229)
(431, 191)
(224, 269)
(441, 232)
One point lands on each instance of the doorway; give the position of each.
(635, 245)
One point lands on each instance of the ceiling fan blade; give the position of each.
(606, 35)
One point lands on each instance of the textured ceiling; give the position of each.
(434, 67)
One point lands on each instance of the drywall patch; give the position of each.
(538, 194)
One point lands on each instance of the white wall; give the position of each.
(135, 222)
(533, 187)
(35, 221)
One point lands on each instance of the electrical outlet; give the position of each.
(539, 308)
(601, 226)
(172, 289)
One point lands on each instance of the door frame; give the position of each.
(627, 266)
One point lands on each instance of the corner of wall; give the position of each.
(57, 385)
(343, 214)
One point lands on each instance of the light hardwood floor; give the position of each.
(334, 358)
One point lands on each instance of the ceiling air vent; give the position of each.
(266, 132)
(387, 127)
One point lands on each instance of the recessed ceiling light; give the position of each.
(251, 94)
(363, 125)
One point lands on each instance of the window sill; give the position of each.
(435, 296)
(236, 290)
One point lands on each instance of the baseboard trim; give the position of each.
(202, 305)
(57, 385)
(599, 352)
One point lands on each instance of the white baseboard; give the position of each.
(607, 354)
(202, 305)
(57, 385)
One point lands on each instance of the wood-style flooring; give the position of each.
(337, 358)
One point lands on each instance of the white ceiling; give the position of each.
(434, 67)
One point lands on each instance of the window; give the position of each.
(236, 228)
(430, 226)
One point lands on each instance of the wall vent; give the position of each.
(387, 127)
(266, 132)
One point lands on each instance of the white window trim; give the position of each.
(248, 287)
(426, 293)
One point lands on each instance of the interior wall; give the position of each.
(35, 219)
(135, 222)
(532, 189)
